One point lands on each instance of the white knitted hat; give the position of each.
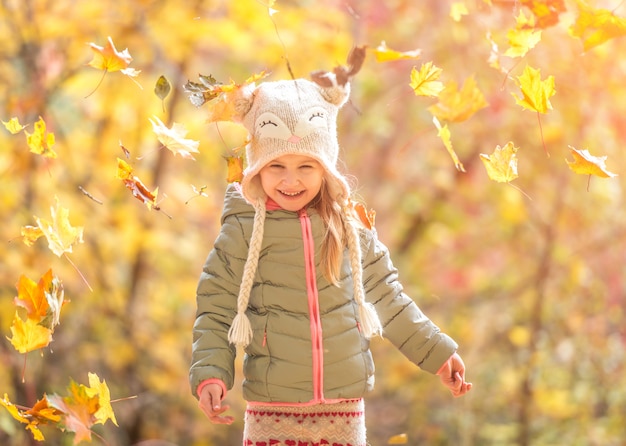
(294, 117)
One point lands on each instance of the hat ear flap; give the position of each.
(242, 102)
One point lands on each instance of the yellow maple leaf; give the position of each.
(501, 165)
(596, 26)
(174, 138)
(458, 10)
(382, 53)
(536, 93)
(586, 164)
(105, 411)
(459, 105)
(60, 233)
(29, 335)
(425, 81)
(14, 126)
(41, 142)
(444, 134)
(30, 234)
(521, 41)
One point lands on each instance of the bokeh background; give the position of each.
(528, 277)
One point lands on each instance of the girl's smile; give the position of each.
(292, 181)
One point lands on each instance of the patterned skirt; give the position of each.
(336, 424)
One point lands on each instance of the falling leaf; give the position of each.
(367, 217)
(398, 439)
(235, 169)
(79, 409)
(174, 138)
(501, 165)
(14, 126)
(107, 58)
(546, 12)
(29, 335)
(208, 89)
(60, 233)
(458, 105)
(134, 184)
(458, 10)
(41, 142)
(596, 26)
(586, 164)
(162, 87)
(535, 92)
(385, 54)
(105, 411)
(523, 38)
(32, 418)
(425, 81)
(444, 134)
(42, 301)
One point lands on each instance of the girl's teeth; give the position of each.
(290, 194)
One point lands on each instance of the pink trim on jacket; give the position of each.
(314, 310)
(219, 382)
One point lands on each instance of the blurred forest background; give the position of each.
(529, 277)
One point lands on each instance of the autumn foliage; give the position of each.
(486, 138)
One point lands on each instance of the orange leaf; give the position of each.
(546, 11)
(385, 54)
(31, 420)
(134, 184)
(368, 218)
(459, 105)
(235, 169)
(586, 164)
(79, 410)
(108, 58)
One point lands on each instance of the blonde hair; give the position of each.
(335, 239)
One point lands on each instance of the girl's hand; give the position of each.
(210, 402)
(452, 375)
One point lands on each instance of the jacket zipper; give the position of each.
(314, 311)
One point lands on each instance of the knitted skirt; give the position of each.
(336, 424)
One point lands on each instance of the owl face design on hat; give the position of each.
(292, 117)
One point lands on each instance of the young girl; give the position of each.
(298, 281)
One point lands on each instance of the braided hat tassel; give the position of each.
(240, 332)
(370, 322)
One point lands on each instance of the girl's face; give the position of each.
(292, 181)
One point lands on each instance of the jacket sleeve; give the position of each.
(404, 324)
(212, 356)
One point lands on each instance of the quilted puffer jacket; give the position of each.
(306, 345)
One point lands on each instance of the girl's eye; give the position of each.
(268, 122)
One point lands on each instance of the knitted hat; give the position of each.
(284, 118)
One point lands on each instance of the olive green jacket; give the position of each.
(306, 346)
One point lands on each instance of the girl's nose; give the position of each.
(290, 177)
